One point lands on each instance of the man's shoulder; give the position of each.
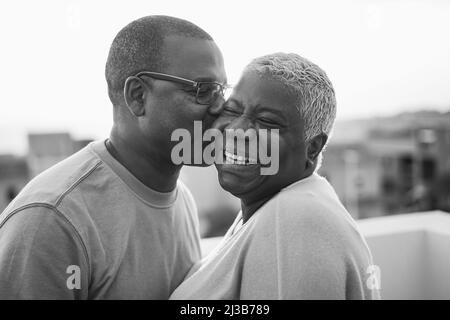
(50, 187)
(38, 244)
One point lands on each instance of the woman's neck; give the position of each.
(251, 204)
(249, 207)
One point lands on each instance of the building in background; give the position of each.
(44, 150)
(14, 175)
(47, 149)
(391, 165)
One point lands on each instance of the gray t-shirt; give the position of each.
(88, 229)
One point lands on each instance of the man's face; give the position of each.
(172, 106)
(262, 103)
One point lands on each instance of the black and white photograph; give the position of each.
(241, 150)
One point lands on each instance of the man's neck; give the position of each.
(153, 171)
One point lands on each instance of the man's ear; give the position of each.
(315, 146)
(133, 92)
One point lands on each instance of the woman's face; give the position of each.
(261, 103)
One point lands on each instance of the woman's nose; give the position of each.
(243, 122)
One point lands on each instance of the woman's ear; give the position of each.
(133, 93)
(315, 147)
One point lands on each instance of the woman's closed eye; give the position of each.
(268, 121)
(231, 110)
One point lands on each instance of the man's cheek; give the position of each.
(220, 123)
(208, 121)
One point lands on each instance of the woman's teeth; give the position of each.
(231, 158)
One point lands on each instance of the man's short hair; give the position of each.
(138, 46)
(315, 95)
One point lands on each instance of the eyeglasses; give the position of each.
(206, 92)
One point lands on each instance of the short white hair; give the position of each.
(316, 99)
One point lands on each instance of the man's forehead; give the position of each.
(192, 58)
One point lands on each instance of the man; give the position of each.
(113, 221)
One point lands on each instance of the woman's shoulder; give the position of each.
(304, 242)
(309, 212)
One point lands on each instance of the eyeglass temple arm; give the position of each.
(163, 76)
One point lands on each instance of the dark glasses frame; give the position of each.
(196, 85)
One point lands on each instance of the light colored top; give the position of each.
(88, 229)
(301, 244)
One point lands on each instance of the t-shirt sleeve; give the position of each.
(41, 257)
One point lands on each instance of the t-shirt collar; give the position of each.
(148, 195)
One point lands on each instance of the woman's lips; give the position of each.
(232, 158)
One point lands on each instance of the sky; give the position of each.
(383, 57)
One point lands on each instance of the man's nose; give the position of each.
(216, 108)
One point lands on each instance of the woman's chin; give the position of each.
(239, 180)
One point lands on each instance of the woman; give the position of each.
(292, 239)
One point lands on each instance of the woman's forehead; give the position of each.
(254, 90)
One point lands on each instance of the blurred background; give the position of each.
(388, 60)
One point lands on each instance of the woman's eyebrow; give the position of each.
(235, 101)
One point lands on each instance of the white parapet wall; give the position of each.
(412, 251)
